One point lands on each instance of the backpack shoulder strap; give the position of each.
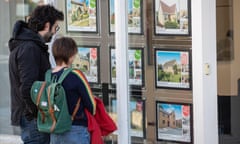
(76, 109)
(48, 75)
(64, 74)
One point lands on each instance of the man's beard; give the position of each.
(47, 37)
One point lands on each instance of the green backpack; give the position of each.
(50, 98)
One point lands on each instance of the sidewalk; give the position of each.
(10, 139)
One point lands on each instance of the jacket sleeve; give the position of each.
(28, 59)
(86, 93)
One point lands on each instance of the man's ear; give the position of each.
(47, 26)
(45, 30)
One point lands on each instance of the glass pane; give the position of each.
(5, 29)
(136, 68)
(167, 71)
(4, 86)
(11, 11)
(228, 70)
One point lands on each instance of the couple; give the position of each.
(28, 62)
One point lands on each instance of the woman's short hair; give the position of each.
(63, 49)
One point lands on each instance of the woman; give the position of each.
(76, 86)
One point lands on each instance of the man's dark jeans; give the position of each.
(30, 133)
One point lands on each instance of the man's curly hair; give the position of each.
(43, 14)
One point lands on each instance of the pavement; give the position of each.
(10, 139)
(8, 134)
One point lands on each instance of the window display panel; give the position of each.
(136, 73)
(81, 15)
(174, 122)
(172, 69)
(172, 17)
(87, 60)
(135, 22)
(137, 115)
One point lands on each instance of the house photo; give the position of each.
(172, 69)
(172, 122)
(171, 17)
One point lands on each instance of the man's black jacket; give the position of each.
(28, 62)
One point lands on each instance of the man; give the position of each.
(28, 62)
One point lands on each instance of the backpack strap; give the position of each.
(50, 103)
(64, 74)
(48, 75)
(76, 109)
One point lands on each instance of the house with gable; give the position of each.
(168, 119)
(166, 13)
(168, 67)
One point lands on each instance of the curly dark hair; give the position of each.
(43, 14)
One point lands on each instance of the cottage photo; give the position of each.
(174, 122)
(172, 69)
(172, 17)
(81, 15)
(87, 61)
